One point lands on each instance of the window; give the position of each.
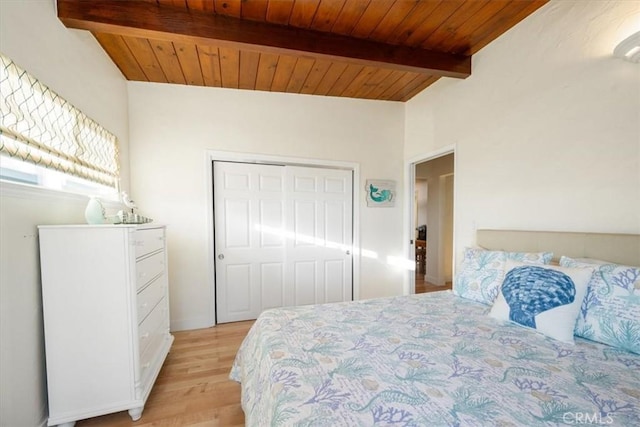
(46, 141)
(17, 170)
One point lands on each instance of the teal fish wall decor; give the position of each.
(380, 193)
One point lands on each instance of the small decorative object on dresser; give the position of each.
(94, 212)
(106, 317)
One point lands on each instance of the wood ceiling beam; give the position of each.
(160, 22)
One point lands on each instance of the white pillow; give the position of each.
(545, 298)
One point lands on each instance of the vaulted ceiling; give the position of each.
(373, 49)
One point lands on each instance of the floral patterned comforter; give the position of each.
(426, 360)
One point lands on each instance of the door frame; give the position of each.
(409, 285)
(233, 156)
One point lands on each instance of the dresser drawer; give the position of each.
(150, 325)
(149, 297)
(148, 269)
(148, 357)
(148, 241)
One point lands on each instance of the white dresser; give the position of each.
(106, 317)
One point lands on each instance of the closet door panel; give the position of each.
(249, 238)
(318, 210)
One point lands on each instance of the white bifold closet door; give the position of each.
(283, 236)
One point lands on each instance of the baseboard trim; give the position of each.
(189, 324)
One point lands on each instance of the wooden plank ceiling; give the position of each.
(372, 49)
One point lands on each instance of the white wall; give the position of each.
(173, 126)
(546, 128)
(72, 64)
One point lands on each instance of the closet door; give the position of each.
(283, 236)
(319, 219)
(249, 243)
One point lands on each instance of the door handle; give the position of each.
(348, 252)
(221, 257)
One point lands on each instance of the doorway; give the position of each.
(432, 223)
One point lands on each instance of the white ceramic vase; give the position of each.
(94, 213)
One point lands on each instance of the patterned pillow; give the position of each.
(481, 272)
(610, 312)
(545, 298)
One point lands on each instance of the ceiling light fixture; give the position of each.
(629, 48)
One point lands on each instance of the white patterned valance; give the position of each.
(40, 127)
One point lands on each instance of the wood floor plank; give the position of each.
(193, 388)
(423, 286)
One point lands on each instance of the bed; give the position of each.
(434, 359)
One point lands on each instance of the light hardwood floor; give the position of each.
(422, 286)
(193, 388)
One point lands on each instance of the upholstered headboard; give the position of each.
(616, 248)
